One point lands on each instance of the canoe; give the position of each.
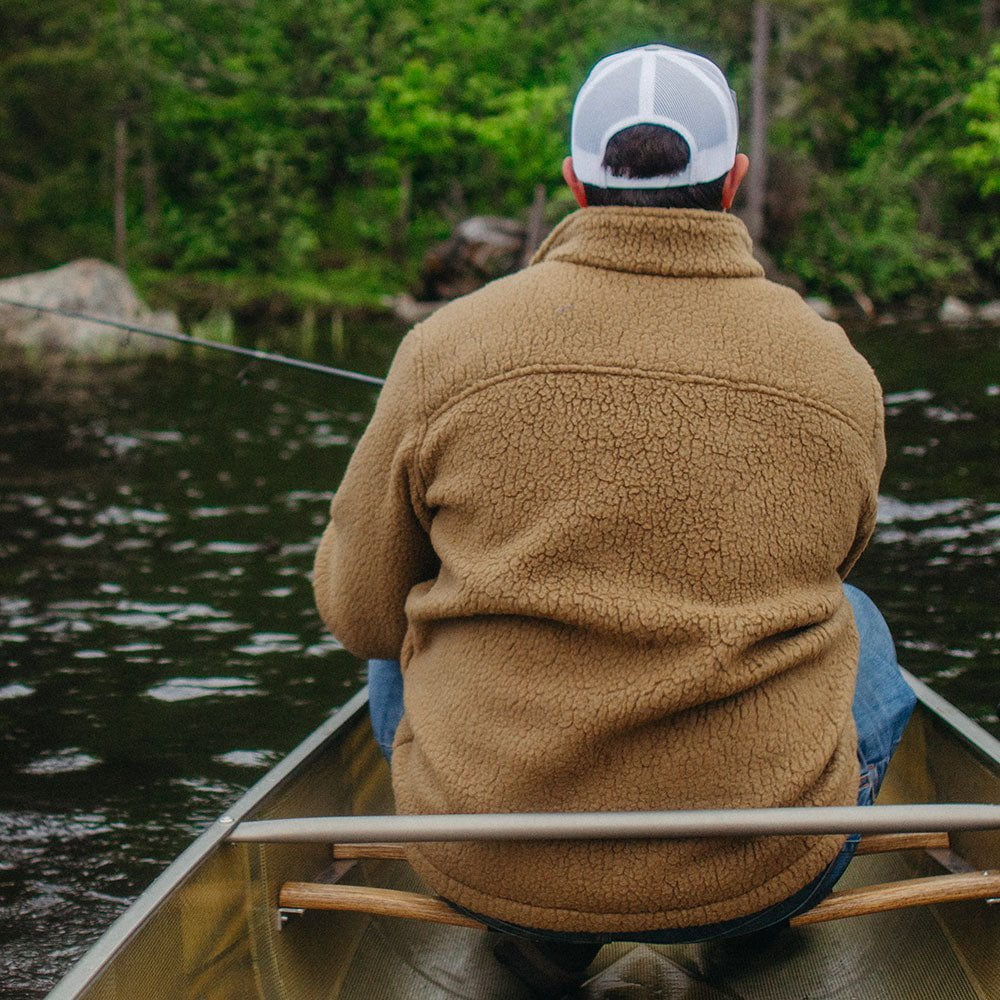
(210, 926)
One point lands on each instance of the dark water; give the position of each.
(160, 648)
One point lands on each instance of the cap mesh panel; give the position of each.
(682, 95)
(603, 107)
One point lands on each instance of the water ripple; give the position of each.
(176, 612)
(188, 688)
(70, 541)
(910, 396)
(294, 498)
(324, 436)
(328, 644)
(891, 509)
(232, 548)
(271, 642)
(138, 620)
(199, 513)
(121, 516)
(10, 691)
(61, 762)
(24, 828)
(247, 758)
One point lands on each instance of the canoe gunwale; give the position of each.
(985, 745)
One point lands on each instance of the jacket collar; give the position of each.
(675, 242)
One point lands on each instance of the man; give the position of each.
(602, 515)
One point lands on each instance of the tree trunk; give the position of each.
(536, 226)
(121, 140)
(150, 201)
(121, 160)
(989, 15)
(757, 177)
(401, 227)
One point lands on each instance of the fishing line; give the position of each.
(184, 338)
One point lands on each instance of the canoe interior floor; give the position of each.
(901, 954)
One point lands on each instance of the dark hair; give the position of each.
(651, 151)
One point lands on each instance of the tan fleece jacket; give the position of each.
(604, 507)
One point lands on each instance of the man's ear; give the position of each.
(574, 182)
(733, 180)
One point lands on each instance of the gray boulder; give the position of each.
(480, 249)
(85, 286)
(989, 312)
(822, 307)
(955, 312)
(408, 310)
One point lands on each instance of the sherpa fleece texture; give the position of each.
(604, 507)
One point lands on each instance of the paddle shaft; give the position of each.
(621, 825)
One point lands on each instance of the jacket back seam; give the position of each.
(738, 385)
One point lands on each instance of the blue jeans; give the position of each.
(882, 705)
(385, 701)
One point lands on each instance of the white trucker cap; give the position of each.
(655, 85)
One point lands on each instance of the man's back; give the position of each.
(625, 485)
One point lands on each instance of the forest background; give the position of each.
(235, 154)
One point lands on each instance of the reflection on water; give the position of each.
(60, 762)
(158, 527)
(186, 688)
(932, 565)
(959, 520)
(15, 690)
(247, 758)
(159, 641)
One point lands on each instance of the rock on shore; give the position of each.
(989, 312)
(480, 249)
(87, 286)
(823, 308)
(955, 312)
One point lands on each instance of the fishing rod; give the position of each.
(184, 338)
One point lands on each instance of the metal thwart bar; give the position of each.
(622, 825)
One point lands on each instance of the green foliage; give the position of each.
(315, 150)
(211, 294)
(981, 156)
(413, 115)
(872, 102)
(524, 130)
(51, 142)
(864, 232)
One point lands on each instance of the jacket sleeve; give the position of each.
(866, 521)
(375, 548)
